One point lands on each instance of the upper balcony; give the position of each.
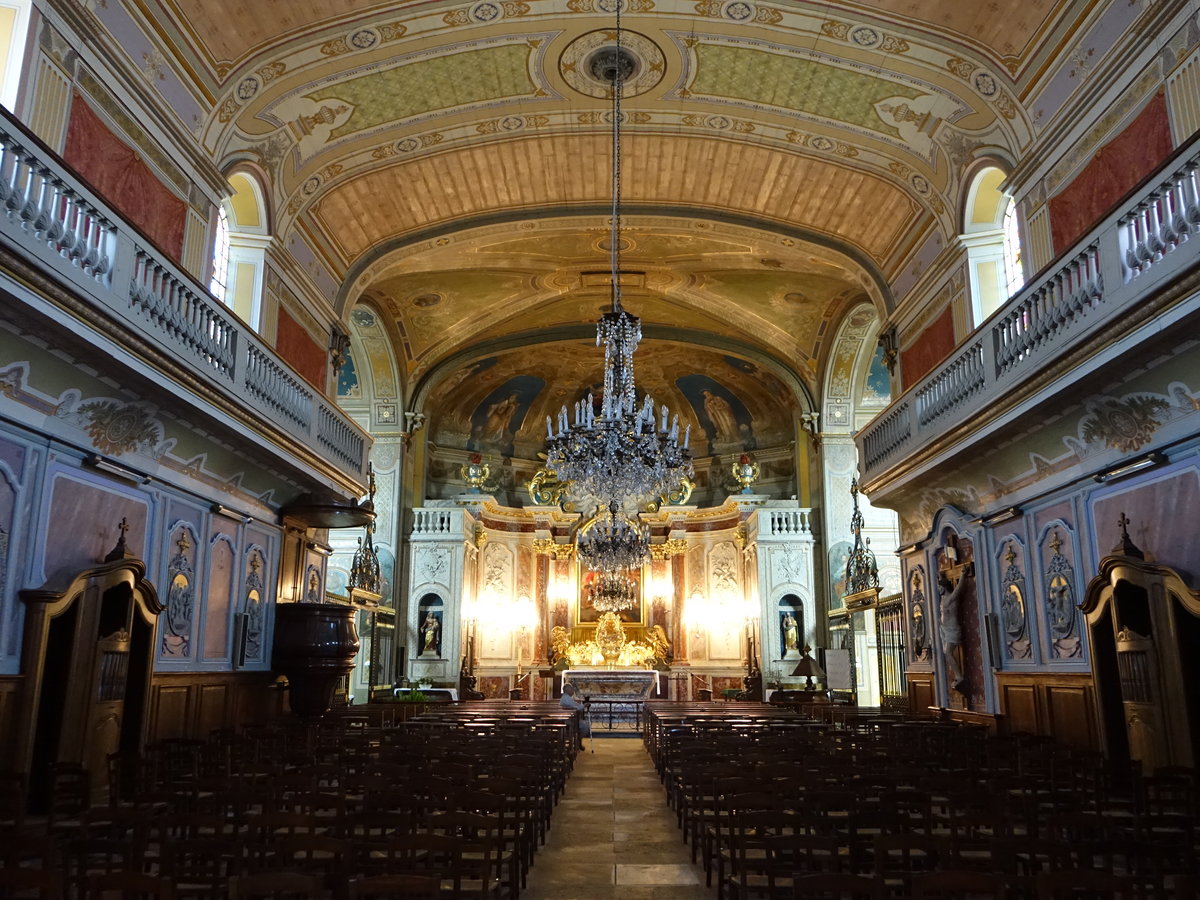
(135, 297)
(1124, 280)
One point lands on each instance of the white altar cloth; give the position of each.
(613, 684)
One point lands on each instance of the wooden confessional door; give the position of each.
(87, 659)
(1143, 624)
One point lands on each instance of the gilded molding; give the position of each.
(667, 549)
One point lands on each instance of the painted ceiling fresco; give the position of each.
(835, 135)
(498, 405)
(364, 113)
(741, 285)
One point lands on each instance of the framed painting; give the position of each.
(587, 614)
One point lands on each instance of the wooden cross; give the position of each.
(1055, 542)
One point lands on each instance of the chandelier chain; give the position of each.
(622, 453)
(615, 235)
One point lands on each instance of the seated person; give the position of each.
(568, 701)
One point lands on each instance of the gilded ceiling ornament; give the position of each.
(583, 60)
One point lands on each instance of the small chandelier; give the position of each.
(613, 542)
(627, 453)
(862, 571)
(613, 591)
(365, 573)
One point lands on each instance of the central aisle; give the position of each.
(613, 836)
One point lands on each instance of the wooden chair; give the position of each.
(89, 856)
(316, 855)
(70, 795)
(958, 884)
(385, 887)
(275, 886)
(1086, 884)
(838, 886)
(12, 802)
(199, 867)
(24, 848)
(899, 858)
(127, 886)
(20, 882)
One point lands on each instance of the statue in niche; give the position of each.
(950, 626)
(920, 638)
(791, 632)
(657, 639)
(560, 643)
(429, 634)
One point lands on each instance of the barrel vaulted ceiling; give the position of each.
(449, 161)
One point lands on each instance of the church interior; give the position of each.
(596, 448)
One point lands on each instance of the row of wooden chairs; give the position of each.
(466, 809)
(764, 800)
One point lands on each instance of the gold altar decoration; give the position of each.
(677, 497)
(553, 549)
(621, 652)
(745, 472)
(475, 472)
(668, 548)
(610, 636)
(546, 490)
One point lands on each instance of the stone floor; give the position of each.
(613, 835)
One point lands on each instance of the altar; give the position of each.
(617, 695)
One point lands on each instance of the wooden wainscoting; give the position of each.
(1061, 705)
(921, 693)
(10, 702)
(195, 704)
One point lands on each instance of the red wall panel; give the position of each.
(930, 348)
(118, 174)
(300, 351)
(1115, 170)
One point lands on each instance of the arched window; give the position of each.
(220, 274)
(14, 29)
(993, 244)
(1014, 272)
(240, 248)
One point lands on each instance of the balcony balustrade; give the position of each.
(1090, 290)
(78, 240)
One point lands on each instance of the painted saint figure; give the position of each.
(951, 626)
(721, 415)
(493, 430)
(429, 634)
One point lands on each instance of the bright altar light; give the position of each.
(523, 614)
(698, 613)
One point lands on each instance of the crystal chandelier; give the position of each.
(627, 453)
(614, 542)
(613, 591)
